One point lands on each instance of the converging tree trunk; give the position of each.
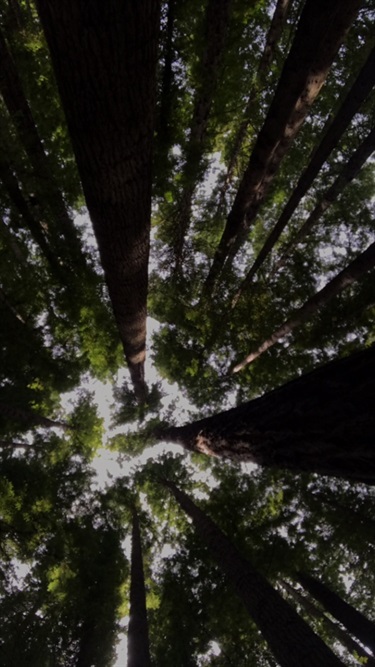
(104, 57)
(357, 94)
(332, 628)
(291, 640)
(322, 422)
(351, 618)
(320, 32)
(16, 414)
(351, 274)
(138, 640)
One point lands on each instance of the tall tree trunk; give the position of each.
(357, 94)
(290, 639)
(104, 57)
(320, 32)
(272, 38)
(216, 30)
(322, 422)
(349, 172)
(47, 189)
(351, 274)
(333, 628)
(138, 641)
(355, 622)
(24, 416)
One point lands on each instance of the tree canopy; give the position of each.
(204, 170)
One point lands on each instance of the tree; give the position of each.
(115, 165)
(290, 639)
(355, 622)
(308, 424)
(138, 642)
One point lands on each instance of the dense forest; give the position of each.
(187, 193)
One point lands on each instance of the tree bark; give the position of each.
(351, 274)
(348, 173)
(355, 622)
(320, 32)
(138, 640)
(322, 422)
(290, 639)
(272, 38)
(216, 30)
(333, 628)
(104, 57)
(357, 94)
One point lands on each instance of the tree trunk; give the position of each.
(357, 94)
(18, 107)
(320, 32)
(216, 30)
(349, 172)
(104, 57)
(332, 628)
(351, 274)
(355, 622)
(16, 414)
(290, 639)
(138, 641)
(322, 422)
(272, 38)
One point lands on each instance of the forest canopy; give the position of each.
(202, 171)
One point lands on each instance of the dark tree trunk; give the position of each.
(322, 422)
(355, 622)
(358, 93)
(216, 30)
(333, 628)
(320, 32)
(104, 57)
(290, 639)
(349, 172)
(47, 189)
(138, 640)
(23, 416)
(351, 274)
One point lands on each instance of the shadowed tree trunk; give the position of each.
(138, 640)
(20, 415)
(290, 639)
(355, 622)
(357, 94)
(322, 422)
(320, 32)
(351, 274)
(104, 57)
(272, 38)
(333, 628)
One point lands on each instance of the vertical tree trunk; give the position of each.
(357, 94)
(291, 640)
(333, 628)
(320, 32)
(104, 56)
(355, 622)
(322, 422)
(138, 641)
(351, 274)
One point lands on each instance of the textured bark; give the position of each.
(351, 274)
(138, 640)
(290, 639)
(358, 93)
(320, 32)
(104, 57)
(355, 622)
(216, 30)
(348, 173)
(272, 38)
(322, 422)
(46, 188)
(333, 628)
